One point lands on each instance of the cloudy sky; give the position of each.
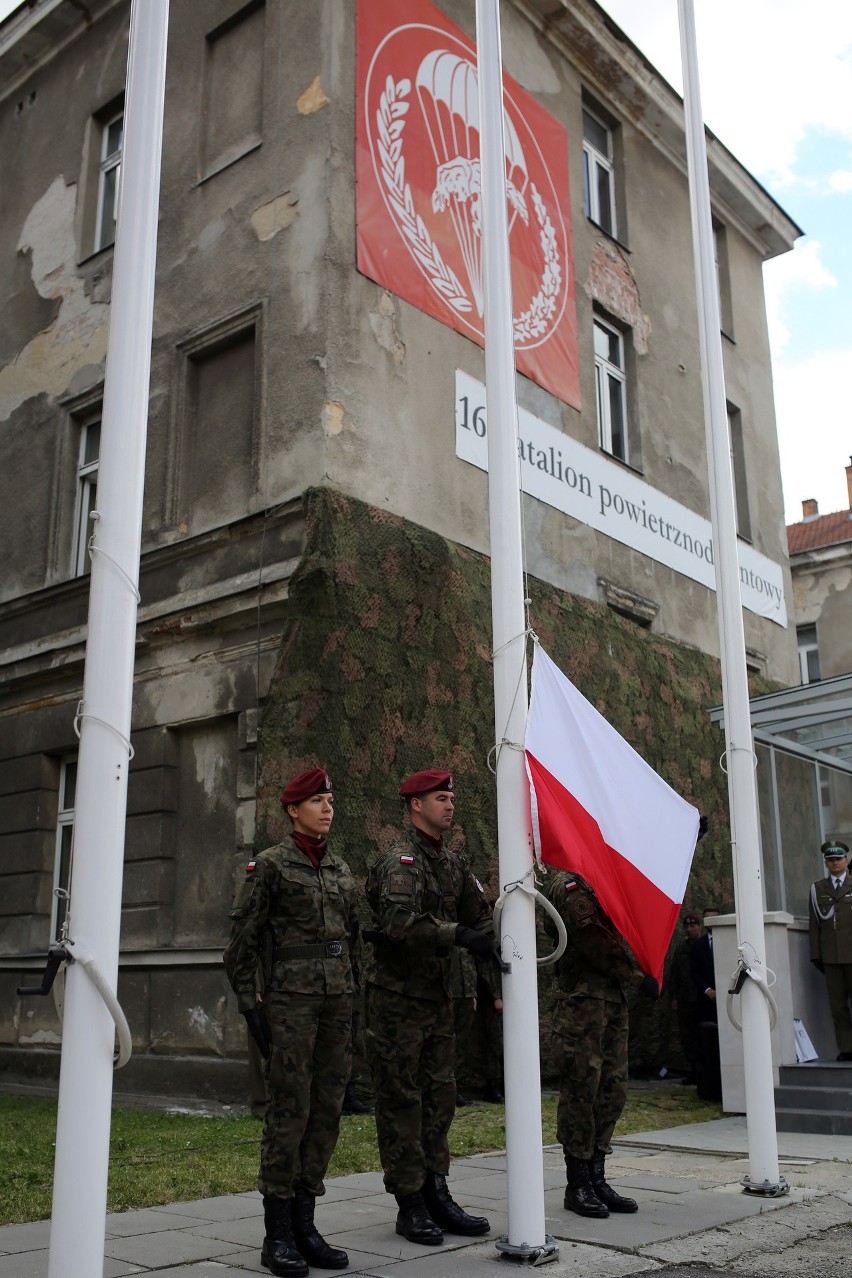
(776, 88)
(776, 85)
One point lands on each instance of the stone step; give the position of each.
(814, 1121)
(836, 1100)
(817, 1074)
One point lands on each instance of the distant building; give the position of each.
(821, 567)
(317, 327)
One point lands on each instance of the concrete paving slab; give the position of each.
(730, 1136)
(656, 1184)
(34, 1264)
(765, 1234)
(360, 1262)
(157, 1251)
(384, 1243)
(482, 1260)
(226, 1207)
(149, 1220)
(27, 1237)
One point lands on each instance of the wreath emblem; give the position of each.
(458, 190)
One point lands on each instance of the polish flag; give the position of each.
(599, 810)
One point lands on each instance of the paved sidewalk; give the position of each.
(693, 1219)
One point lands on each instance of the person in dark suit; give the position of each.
(704, 978)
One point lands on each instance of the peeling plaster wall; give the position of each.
(822, 582)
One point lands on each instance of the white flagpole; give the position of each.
(85, 1084)
(526, 1237)
(763, 1175)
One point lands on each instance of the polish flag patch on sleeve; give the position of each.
(405, 859)
(250, 866)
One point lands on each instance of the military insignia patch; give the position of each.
(572, 886)
(405, 859)
(250, 866)
(401, 883)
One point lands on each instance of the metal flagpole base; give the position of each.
(525, 1254)
(765, 1188)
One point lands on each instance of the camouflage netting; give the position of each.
(385, 669)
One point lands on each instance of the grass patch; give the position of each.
(158, 1158)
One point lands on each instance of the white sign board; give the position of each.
(587, 486)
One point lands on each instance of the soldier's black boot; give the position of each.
(279, 1253)
(310, 1241)
(608, 1196)
(579, 1194)
(446, 1213)
(414, 1222)
(352, 1103)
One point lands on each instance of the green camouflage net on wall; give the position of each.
(385, 668)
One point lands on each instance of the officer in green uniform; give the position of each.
(424, 900)
(590, 1032)
(295, 916)
(830, 928)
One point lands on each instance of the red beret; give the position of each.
(307, 784)
(423, 782)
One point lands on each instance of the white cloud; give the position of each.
(814, 437)
(769, 73)
(841, 181)
(782, 277)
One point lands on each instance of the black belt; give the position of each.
(322, 949)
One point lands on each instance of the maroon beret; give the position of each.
(307, 784)
(423, 782)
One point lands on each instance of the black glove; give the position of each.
(819, 965)
(649, 987)
(703, 825)
(374, 935)
(477, 942)
(259, 1030)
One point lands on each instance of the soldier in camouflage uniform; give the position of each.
(424, 900)
(590, 1030)
(295, 915)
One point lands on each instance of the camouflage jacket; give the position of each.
(286, 906)
(596, 962)
(417, 896)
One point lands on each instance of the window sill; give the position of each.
(226, 161)
(621, 462)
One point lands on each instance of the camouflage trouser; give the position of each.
(590, 1046)
(305, 1078)
(411, 1049)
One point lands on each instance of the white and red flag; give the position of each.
(600, 810)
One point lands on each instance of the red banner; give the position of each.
(418, 188)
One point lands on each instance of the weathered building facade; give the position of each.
(315, 515)
(820, 564)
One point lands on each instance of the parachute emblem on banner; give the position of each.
(448, 91)
(446, 86)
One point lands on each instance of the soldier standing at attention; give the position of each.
(830, 928)
(590, 1030)
(684, 996)
(424, 900)
(295, 915)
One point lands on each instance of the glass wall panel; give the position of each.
(798, 809)
(772, 893)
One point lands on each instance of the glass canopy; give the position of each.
(803, 745)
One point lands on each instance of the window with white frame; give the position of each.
(598, 172)
(611, 390)
(64, 843)
(806, 637)
(109, 176)
(87, 493)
